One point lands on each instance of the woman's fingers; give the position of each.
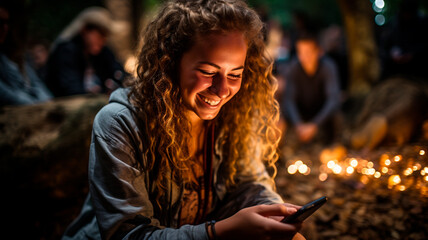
(292, 205)
(277, 229)
(274, 210)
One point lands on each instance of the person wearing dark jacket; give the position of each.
(80, 61)
(312, 95)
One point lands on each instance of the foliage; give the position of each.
(47, 18)
(323, 12)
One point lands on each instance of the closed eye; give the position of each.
(235, 76)
(206, 73)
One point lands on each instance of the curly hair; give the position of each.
(247, 123)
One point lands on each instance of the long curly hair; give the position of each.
(246, 125)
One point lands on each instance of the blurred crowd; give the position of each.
(311, 65)
(77, 62)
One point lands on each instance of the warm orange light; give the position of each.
(384, 170)
(354, 162)
(394, 180)
(349, 170)
(307, 172)
(322, 177)
(292, 169)
(370, 164)
(408, 171)
(371, 171)
(298, 163)
(422, 152)
(417, 166)
(387, 162)
(364, 179)
(331, 164)
(397, 158)
(337, 169)
(377, 175)
(303, 169)
(401, 187)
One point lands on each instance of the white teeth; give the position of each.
(211, 102)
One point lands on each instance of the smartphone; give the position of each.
(305, 211)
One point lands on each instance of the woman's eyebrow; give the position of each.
(217, 66)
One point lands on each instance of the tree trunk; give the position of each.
(364, 67)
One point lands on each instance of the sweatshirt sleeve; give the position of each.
(118, 186)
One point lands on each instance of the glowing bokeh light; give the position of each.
(303, 168)
(387, 162)
(370, 164)
(394, 180)
(384, 170)
(322, 177)
(376, 9)
(354, 162)
(298, 163)
(292, 169)
(377, 175)
(380, 19)
(364, 179)
(379, 3)
(408, 171)
(422, 152)
(331, 164)
(371, 171)
(401, 187)
(337, 169)
(349, 170)
(307, 172)
(397, 158)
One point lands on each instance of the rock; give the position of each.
(44, 151)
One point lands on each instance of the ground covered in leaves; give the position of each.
(362, 204)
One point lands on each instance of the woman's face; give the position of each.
(94, 41)
(211, 73)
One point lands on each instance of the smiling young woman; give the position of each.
(211, 74)
(187, 144)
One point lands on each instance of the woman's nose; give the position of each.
(220, 86)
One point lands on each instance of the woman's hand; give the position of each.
(259, 222)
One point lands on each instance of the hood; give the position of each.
(120, 96)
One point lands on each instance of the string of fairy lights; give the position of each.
(399, 173)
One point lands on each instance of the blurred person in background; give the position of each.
(38, 56)
(19, 83)
(80, 62)
(312, 92)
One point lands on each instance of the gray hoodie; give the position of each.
(120, 203)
